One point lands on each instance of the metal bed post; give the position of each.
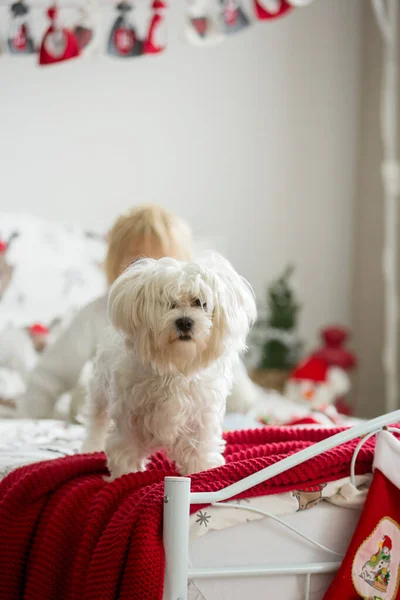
(176, 536)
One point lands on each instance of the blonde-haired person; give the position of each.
(146, 231)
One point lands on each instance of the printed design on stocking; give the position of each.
(376, 564)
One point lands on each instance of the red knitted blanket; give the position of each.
(66, 534)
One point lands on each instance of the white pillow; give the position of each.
(56, 269)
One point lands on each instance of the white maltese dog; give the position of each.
(165, 369)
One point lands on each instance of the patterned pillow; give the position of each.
(46, 269)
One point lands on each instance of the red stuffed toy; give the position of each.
(334, 353)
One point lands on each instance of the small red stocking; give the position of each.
(371, 567)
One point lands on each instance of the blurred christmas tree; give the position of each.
(280, 345)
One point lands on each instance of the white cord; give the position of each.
(278, 520)
(358, 448)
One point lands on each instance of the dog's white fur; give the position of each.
(155, 389)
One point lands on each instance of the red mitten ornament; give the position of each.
(123, 41)
(20, 39)
(371, 567)
(157, 36)
(271, 9)
(58, 43)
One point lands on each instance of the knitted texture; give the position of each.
(67, 534)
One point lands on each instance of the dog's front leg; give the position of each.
(201, 450)
(125, 453)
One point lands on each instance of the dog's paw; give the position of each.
(119, 468)
(214, 459)
(196, 464)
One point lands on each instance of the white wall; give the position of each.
(253, 141)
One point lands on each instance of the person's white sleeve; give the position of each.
(58, 370)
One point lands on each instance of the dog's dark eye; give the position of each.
(198, 303)
(173, 305)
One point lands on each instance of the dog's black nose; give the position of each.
(184, 324)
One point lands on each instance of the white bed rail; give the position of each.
(295, 459)
(177, 500)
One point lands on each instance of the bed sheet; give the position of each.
(266, 542)
(24, 441)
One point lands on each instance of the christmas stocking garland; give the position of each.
(371, 567)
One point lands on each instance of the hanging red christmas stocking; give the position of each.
(58, 43)
(371, 567)
(157, 36)
(123, 40)
(271, 9)
(20, 39)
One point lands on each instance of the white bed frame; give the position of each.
(178, 498)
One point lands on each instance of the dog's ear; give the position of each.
(236, 294)
(126, 299)
(234, 305)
